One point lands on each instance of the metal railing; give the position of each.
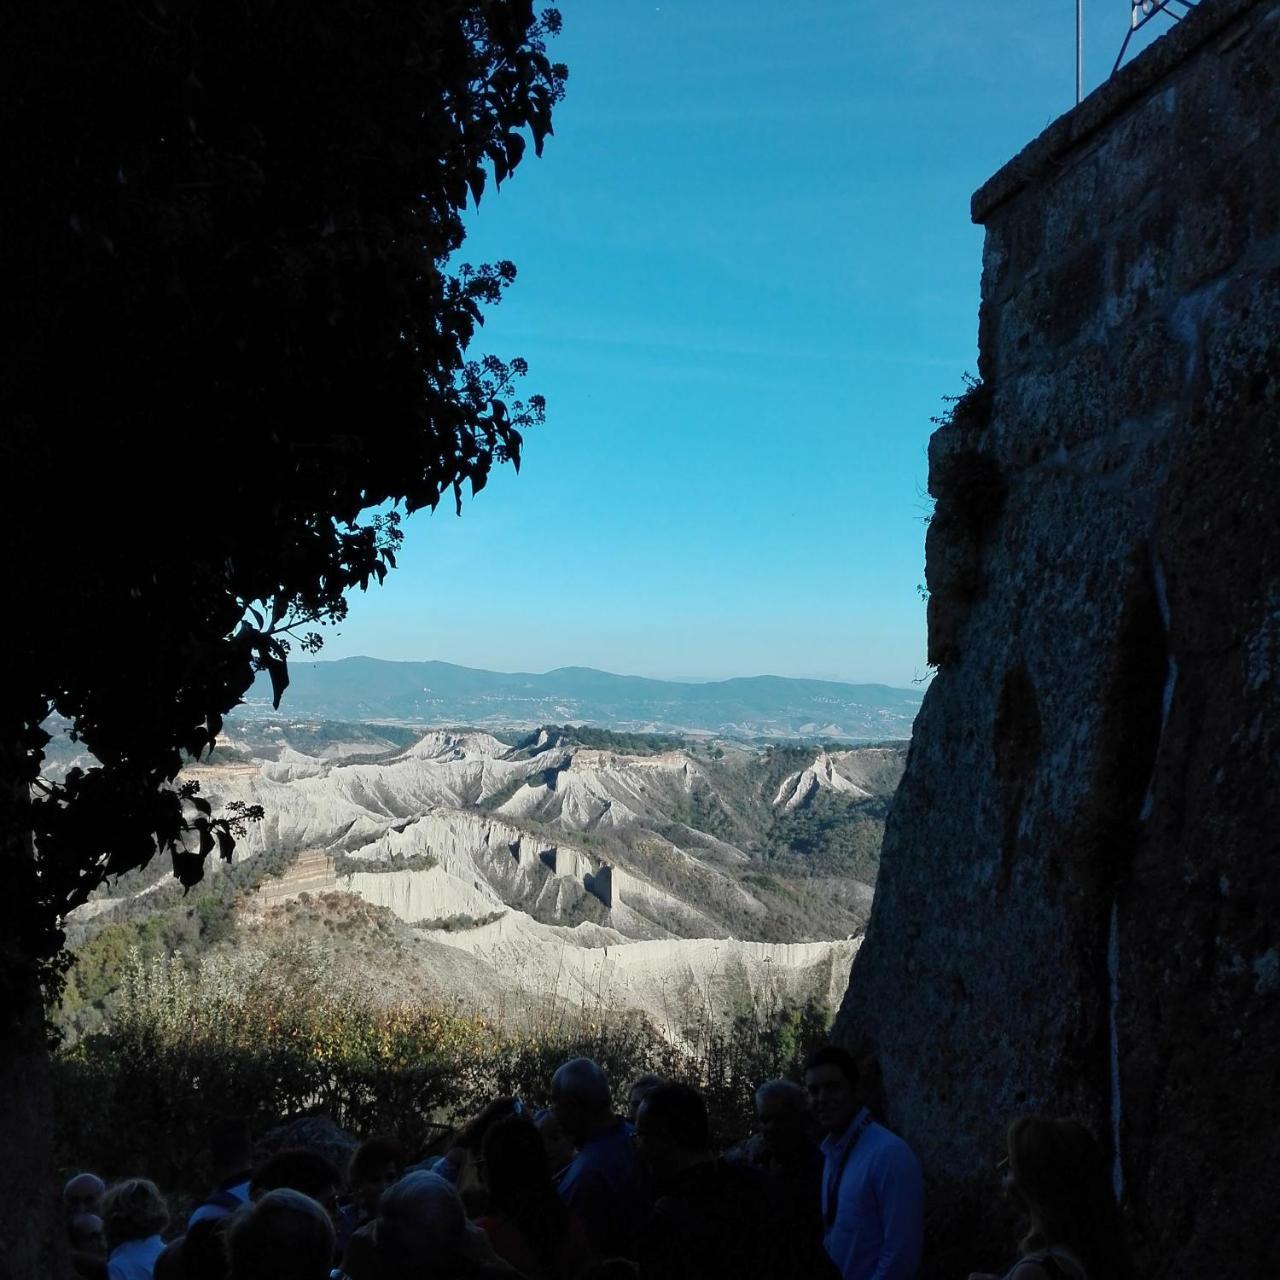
(1143, 11)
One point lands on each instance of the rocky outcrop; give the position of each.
(1077, 903)
(799, 788)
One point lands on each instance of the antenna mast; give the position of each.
(1079, 50)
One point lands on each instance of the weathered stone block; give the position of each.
(1213, 224)
(1138, 261)
(1073, 293)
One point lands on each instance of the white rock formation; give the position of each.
(661, 948)
(823, 773)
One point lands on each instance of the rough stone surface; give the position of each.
(1077, 904)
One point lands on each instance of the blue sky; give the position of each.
(747, 277)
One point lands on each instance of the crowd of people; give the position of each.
(578, 1192)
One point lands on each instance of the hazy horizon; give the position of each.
(516, 668)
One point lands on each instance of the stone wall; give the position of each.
(1077, 908)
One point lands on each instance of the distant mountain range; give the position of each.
(440, 693)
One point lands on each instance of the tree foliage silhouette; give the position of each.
(242, 346)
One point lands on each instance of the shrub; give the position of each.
(273, 1036)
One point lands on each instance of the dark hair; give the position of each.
(680, 1113)
(830, 1055)
(284, 1236)
(299, 1170)
(169, 1263)
(204, 1249)
(472, 1135)
(372, 1156)
(520, 1186)
(1059, 1173)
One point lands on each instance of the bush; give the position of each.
(460, 922)
(273, 1036)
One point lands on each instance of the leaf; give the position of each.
(226, 844)
(278, 670)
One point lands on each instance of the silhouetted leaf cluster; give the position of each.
(239, 348)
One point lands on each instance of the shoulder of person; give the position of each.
(1048, 1264)
(1027, 1269)
(892, 1150)
(583, 1175)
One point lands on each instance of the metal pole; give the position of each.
(1079, 50)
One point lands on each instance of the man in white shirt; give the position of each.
(872, 1186)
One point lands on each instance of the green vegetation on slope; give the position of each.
(273, 1035)
(631, 744)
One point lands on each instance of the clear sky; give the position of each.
(747, 277)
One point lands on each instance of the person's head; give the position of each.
(672, 1130)
(831, 1078)
(782, 1117)
(169, 1264)
(421, 1223)
(641, 1087)
(1059, 1173)
(518, 1179)
(580, 1098)
(298, 1169)
(204, 1249)
(85, 1233)
(83, 1194)
(515, 1163)
(376, 1164)
(133, 1210)
(284, 1235)
(471, 1137)
(558, 1144)
(230, 1147)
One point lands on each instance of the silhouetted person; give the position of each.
(284, 1235)
(169, 1265)
(713, 1219)
(133, 1215)
(376, 1164)
(1059, 1174)
(83, 1194)
(459, 1164)
(872, 1187)
(231, 1153)
(785, 1152)
(640, 1088)
(421, 1233)
(299, 1169)
(88, 1243)
(527, 1222)
(558, 1144)
(204, 1250)
(605, 1183)
(82, 1204)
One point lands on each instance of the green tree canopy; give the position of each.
(242, 343)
